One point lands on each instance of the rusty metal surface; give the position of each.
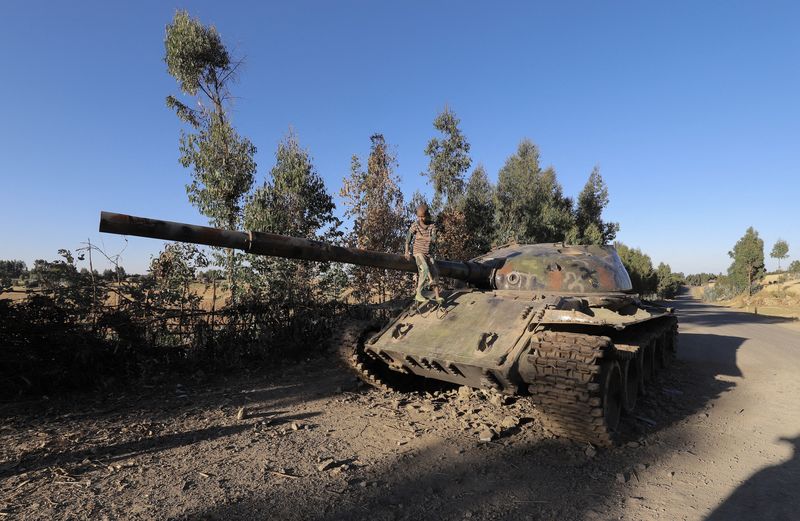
(558, 268)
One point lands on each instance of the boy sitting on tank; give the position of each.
(422, 233)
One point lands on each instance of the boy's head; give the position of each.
(422, 212)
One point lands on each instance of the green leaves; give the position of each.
(531, 206)
(449, 158)
(780, 251)
(294, 202)
(589, 226)
(479, 212)
(223, 163)
(748, 260)
(194, 53)
(640, 269)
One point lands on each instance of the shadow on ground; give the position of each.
(771, 493)
(546, 479)
(691, 311)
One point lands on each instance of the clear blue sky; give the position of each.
(691, 109)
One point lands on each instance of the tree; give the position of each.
(453, 234)
(780, 251)
(669, 283)
(375, 203)
(449, 159)
(748, 260)
(222, 161)
(589, 227)
(11, 270)
(531, 206)
(293, 201)
(479, 212)
(794, 266)
(640, 269)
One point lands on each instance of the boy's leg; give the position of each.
(433, 277)
(423, 274)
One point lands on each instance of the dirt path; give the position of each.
(706, 445)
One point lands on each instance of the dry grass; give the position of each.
(778, 299)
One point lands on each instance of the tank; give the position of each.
(556, 323)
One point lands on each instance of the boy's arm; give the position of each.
(409, 236)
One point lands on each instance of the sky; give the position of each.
(690, 109)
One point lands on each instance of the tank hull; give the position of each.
(580, 359)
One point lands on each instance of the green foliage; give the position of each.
(724, 288)
(375, 203)
(223, 162)
(223, 171)
(177, 266)
(640, 269)
(700, 279)
(195, 53)
(780, 251)
(589, 227)
(10, 271)
(794, 266)
(669, 283)
(479, 212)
(294, 201)
(530, 204)
(449, 159)
(748, 261)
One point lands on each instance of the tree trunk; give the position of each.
(232, 275)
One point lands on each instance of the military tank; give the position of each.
(557, 323)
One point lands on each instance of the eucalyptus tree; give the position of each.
(222, 162)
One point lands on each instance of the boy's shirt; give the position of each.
(424, 236)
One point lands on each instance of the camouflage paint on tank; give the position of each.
(558, 267)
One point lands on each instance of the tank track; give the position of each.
(577, 379)
(351, 339)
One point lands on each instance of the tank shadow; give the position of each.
(770, 493)
(692, 311)
(685, 388)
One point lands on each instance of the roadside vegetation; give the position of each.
(748, 285)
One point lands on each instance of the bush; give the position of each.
(81, 332)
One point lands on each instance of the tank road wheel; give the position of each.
(613, 396)
(666, 352)
(648, 362)
(632, 382)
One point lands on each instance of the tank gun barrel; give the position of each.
(271, 244)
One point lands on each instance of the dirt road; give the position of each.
(717, 438)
